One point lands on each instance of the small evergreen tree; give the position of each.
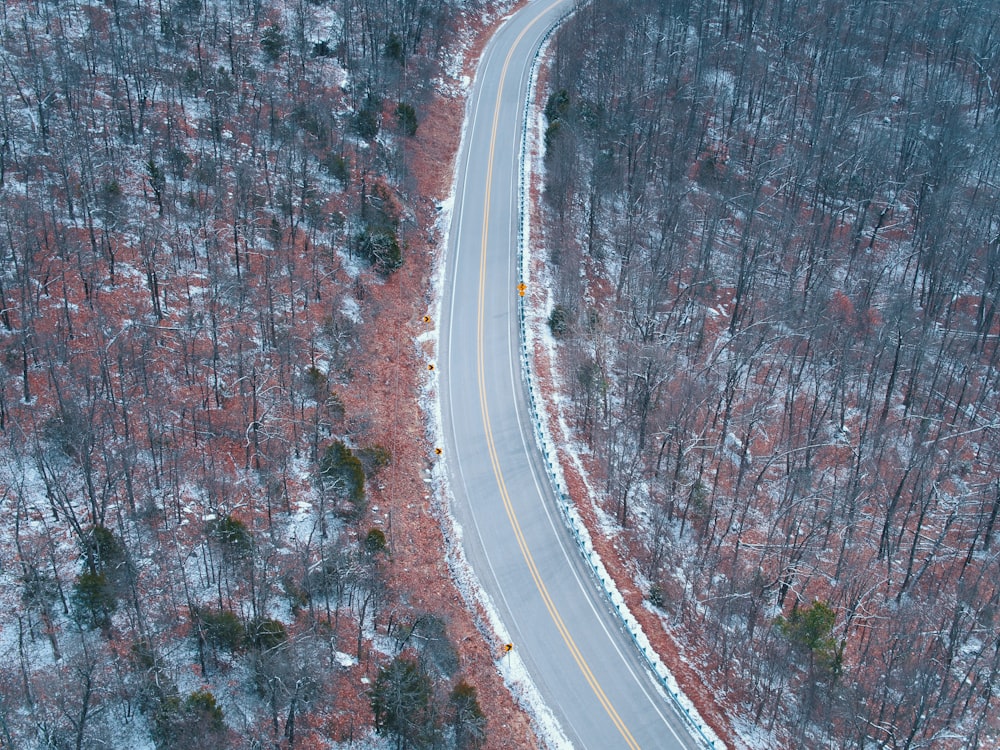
(380, 246)
(222, 629)
(265, 634)
(467, 718)
(406, 117)
(809, 630)
(337, 166)
(233, 536)
(197, 721)
(103, 551)
(374, 459)
(343, 473)
(556, 108)
(401, 702)
(367, 120)
(375, 541)
(272, 43)
(394, 48)
(557, 105)
(93, 600)
(559, 320)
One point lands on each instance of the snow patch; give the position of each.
(351, 309)
(344, 660)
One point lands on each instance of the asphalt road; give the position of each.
(561, 625)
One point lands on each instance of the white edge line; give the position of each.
(699, 729)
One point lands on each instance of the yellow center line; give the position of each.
(494, 460)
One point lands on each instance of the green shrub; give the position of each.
(375, 541)
(222, 629)
(343, 473)
(232, 535)
(468, 719)
(559, 320)
(367, 120)
(103, 550)
(406, 117)
(557, 105)
(166, 717)
(810, 630)
(401, 703)
(380, 247)
(266, 634)
(317, 385)
(556, 108)
(273, 42)
(201, 703)
(374, 459)
(394, 48)
(93, 600)
(655, 595)
(337, 167)
(197, 721)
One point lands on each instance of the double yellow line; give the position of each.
(494, 460)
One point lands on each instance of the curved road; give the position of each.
(583, 664)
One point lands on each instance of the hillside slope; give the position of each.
(772, 233)
(217, 223)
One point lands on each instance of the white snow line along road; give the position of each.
(506, 492)
(547, 446)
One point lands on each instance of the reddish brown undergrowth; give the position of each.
(394, 371)
(619, 553)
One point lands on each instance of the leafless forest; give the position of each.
(781, 218)
(205, 206)
(775, 230)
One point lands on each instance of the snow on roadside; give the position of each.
(511, 668)
(532, 332)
